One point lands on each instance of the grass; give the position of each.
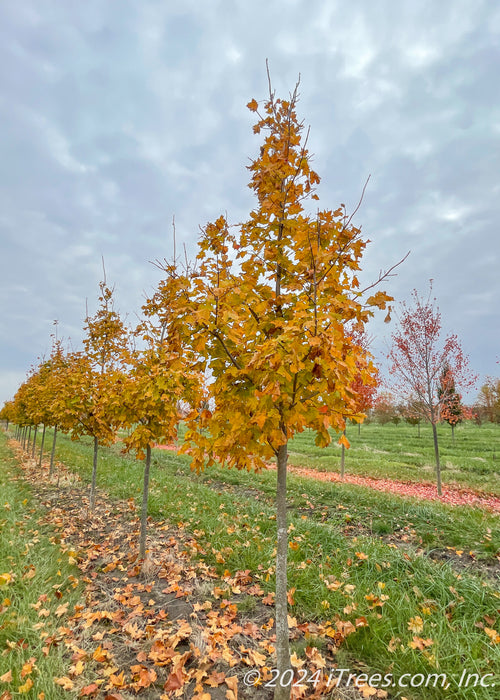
(355, 553)
(397, 452)
(36, 578)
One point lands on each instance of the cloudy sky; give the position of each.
(116, 116)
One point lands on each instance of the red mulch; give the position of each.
(452, 495)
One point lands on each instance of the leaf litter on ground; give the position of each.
(168, 626)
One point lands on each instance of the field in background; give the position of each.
(397, 452)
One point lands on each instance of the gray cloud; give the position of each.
(115, 121)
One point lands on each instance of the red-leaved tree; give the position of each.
(419, 357)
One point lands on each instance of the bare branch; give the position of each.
(359, 203)
(384, 275)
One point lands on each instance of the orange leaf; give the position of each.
(174, 681)
(89, 689)
(7, 677)
(253, 105)
(232, 684)
(344, 441)
(493, 635)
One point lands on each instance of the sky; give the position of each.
(118, 116)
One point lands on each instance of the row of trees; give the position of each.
(262, 336)
(387, 409)
(271, 311)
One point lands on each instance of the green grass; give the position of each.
(39, 579)
(397, 452)
(351, 546)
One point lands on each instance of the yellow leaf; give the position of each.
(62, 609)
(415, 624)
(26, 687)
(344, 441)
(78, 668)
(493, 635)
(253, 105)
(64, 682)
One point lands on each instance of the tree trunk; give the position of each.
(28, 441)
(94, 475)
(53, 452)
(282, 633)
(144, 511)
(34, 443)
(359, 428)
(342, 458)
(41, 447)
(436, 453)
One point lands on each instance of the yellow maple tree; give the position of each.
(268, 308)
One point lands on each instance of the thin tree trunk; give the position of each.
(94, 475)
(41, 447)
(34, 443)
(342, 459)
(144, 511)
(282, 633)
(436, 453)
(359, 428)
(25, 432)
(53, 452)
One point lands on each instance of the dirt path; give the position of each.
(168, 626)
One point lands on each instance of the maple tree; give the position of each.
(365, 392)
(7, 413)
(92, 378)
(384, 407)
(419, 358)
(54, 395)
(488, 402)
(411, 412)
(267, 308)
(159, 378)
(452, 409)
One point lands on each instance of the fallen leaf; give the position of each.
(64, 682)
(89, 689)
(26, 687)
(415, 624)
(493, 635)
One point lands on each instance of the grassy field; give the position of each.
(397, 452)
(37, 584)
(423, 575)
